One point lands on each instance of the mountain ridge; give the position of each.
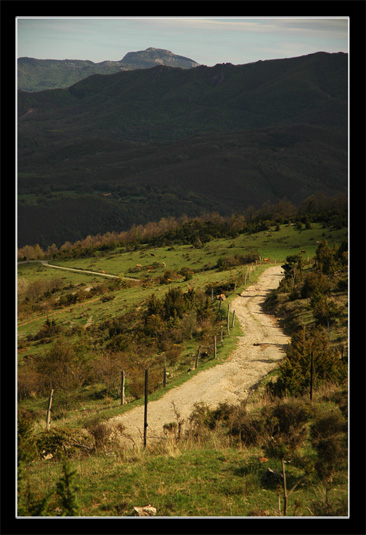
(207, 99)
(166, 141)
(39, 74)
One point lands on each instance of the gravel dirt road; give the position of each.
(259, 351)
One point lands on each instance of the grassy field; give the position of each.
(212, 474)
(275, 245)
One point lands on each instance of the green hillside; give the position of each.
(76, 331)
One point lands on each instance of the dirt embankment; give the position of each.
(259, 350)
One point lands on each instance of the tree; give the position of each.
(293, 268)
(325, 310)
(64, 366)
(66, 489)
(309, 358)
(326, 258)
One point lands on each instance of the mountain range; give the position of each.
(130, 147)
(39, 74)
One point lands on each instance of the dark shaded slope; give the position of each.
(224, 173)
(164, 103)
(167, 141)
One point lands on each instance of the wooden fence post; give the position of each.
(285, 495)
(48, 418)
(164, 373)
(122, 388)
(197, 357)
(233, 320)
(228, 320)
(145, 410)
(214, 347)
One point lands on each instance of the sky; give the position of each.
(206, 40)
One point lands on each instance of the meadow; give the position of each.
(209, 472)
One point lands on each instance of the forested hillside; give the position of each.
(128, 148)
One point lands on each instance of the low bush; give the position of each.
(296, 370)
(329, 438)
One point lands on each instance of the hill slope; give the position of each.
(39, 74)
(164, 103)
(136, 146)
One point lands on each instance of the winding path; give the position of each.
(77, 270)
(259, 350)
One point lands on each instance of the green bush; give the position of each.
(329, 438)
(315, 283)
(66, 490)
(288, 421)
(325, 310)
(53, 442)
(251, 428)
(295, 370)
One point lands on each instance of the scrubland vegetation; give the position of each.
(283, 452)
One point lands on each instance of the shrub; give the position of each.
(326, 258)
(324, 310)
(329, 439)
(174, 303)
(342, 285)
(288, 421)
(101, 434)
(27, 450)
(201, 419)
(29, 382)
(49, 329)
(293, 268)
(230, 261)
(64, 366)
(107, 370)
(315, 283)
(173, 354)
(53, 442)
(187, 273)
(66, 490)
(137, 381)
(251, 428)
(295, 370)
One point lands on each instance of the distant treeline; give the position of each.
(332, 211)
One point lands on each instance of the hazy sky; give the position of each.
(207, 40)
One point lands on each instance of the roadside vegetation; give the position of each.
(283, 452)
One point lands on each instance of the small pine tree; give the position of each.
(324, 310)
(66, 489)
(295, 369)
(326, 260)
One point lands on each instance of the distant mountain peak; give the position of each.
(39, 74)
(145, 59)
